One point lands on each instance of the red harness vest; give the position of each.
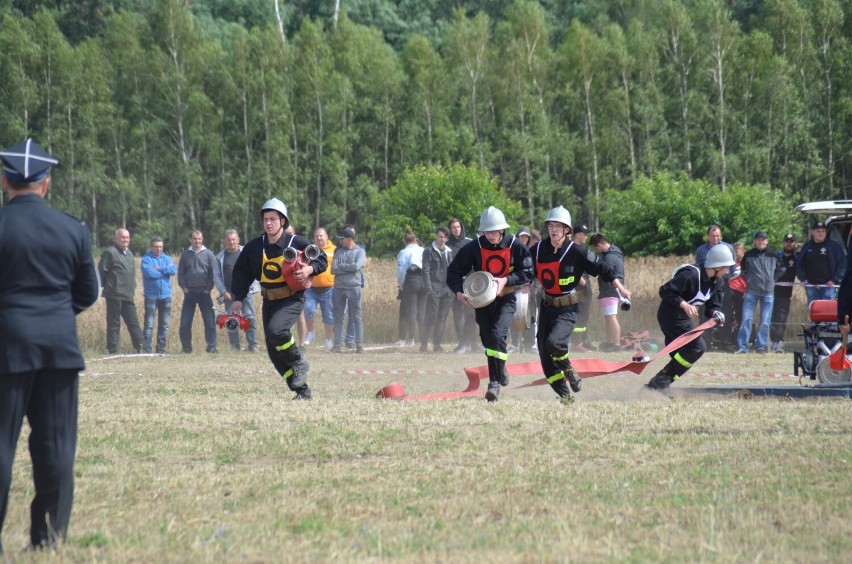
(497, 262)
(547, 274)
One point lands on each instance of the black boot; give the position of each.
(493, 391)
(299, 378)
(561, 388)
(661, 381)
(504, 376)
(573, 379)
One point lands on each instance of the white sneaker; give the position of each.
(309, 338)
(328, 343)
(779, 347)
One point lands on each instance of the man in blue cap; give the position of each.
(47, 276)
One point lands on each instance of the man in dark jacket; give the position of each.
(47, 277)
(783, 294)
(464, 321)
(118, 275)
(761, 268)
(821, 264)
(510, 264)
(439, 297)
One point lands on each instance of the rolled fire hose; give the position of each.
(480, 288)
(521, 320)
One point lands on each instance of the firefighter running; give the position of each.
(559, 266)
(690, 287)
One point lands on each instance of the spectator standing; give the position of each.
(157, 271)
(439, 297)
(464, 320)
(559, 266)
(223, 280)
(783, 293)
(584, 306)
(350, 322)
(723, 334)
(761, 268)
(117, 270)
(282, 289)
(510, 263)
(349, 260)
(608, 299)
(47, 277)
(320, 294)
(196, 271)
(821, 264)
(409, 276)
(690, 287)
(738, 287)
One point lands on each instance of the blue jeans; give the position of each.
(750, 301)
(187, 312)
(348, 300)
(321, 297)
(819, 293)
(153, 307)
(251, 333)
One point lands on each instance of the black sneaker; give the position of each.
(336, 349)
(493, 392)
(303, 395)
(212, 350)
(359, 349)
(574, 381)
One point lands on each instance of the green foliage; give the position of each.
(668, 215)
(428, 196)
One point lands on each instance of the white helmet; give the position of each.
(276, 205)
(492, 219)
(560, 215)
(718, 256)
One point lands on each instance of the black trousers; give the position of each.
(435, 318)
(279, 316)
(464, 322)
(48, 399)
(673, 326)
(116, 310)
(780, 311)
(412, 308)
(555, 325)
(584, 309)
(494, 321)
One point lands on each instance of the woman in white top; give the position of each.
(412, 294)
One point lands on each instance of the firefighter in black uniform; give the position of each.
(47, 277)
(282, 285)
(559, 266)
(690, 287)
(509, 261)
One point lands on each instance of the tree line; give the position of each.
(166, 118)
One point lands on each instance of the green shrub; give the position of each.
(666, 215)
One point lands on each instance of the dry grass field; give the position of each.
(199, 458)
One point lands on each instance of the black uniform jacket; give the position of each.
(577, 262)
(47, 277)
(686, 285)
(469, 258)
(250, 262)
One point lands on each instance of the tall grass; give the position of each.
(644, 277)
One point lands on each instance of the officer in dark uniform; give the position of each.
(282, 285)
(559, 266)
(509, 262)
(690, 287)
(47, 276)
